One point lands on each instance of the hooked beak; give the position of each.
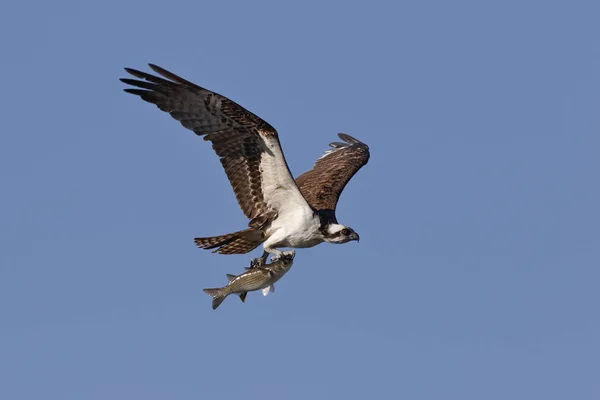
(355, 237)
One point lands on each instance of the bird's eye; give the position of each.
(345, 232)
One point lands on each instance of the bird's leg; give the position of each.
(260, 261)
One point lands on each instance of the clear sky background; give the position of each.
(477, 272)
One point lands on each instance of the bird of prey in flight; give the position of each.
(283, 212)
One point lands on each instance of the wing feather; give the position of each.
(323, 184)
(248, 147)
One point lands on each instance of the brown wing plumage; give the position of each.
(237, 135)
(322, 185)
(234, 243)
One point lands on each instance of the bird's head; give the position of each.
(338, 234)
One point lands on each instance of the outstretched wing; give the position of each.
(322, 185)
(249, 147)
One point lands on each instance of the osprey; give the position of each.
(282, 212)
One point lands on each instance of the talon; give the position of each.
(289, 254)
(255, 263)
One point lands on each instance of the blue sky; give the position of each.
(476, 276)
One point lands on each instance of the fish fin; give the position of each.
(212, 292)
(243, 297)
(266, 290)
(217, 295)
(217, 301)
(231, 277)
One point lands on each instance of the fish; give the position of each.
(256, 278)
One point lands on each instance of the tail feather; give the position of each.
(217, 295)
(240, 242)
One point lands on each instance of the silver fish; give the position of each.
(256, 278)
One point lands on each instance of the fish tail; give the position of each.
(218, 296)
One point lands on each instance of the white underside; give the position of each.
(299, 229)
(296, 225)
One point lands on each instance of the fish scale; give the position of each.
(249, 281)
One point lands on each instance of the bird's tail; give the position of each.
(240, 242)
(218, 295)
